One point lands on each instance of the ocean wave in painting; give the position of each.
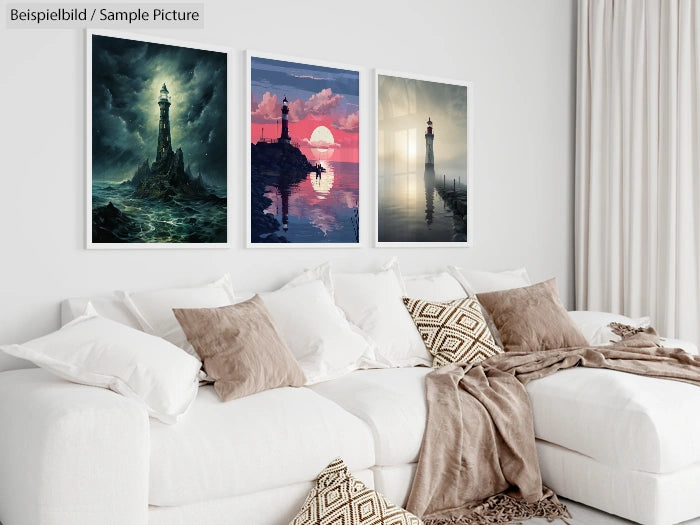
(132, 219)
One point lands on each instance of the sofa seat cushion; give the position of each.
(392, 402)
(639, 423)
(263, 441)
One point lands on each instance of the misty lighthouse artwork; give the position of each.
(424, 161)
(304, 154)
(157, 151)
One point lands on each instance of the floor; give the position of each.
(583, 515)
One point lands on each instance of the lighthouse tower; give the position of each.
(429, 158)
(285, 138)
(164, 146)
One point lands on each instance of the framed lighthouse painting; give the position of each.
(157, 155)
(303, 153)
(424, 161)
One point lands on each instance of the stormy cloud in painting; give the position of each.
(159, 148)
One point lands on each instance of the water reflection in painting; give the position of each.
(422, 141)
(304, 153)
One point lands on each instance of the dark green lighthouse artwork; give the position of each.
(157, 165)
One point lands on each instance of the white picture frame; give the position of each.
(306, 65)
(222, 145)
(396, 212)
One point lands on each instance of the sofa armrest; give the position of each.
(10, 362)
(689, 347)
(70, 454)
(592, 324)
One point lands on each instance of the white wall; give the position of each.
(520, 55)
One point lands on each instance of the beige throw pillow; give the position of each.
(240, 348)
(453, 331)
(532, 318)
(339, 498)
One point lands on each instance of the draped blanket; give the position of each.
(478, 463)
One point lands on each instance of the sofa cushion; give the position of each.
(477, 281)
(372, 302)
(95, 351)
(153, 309)
(532, 318)
(240, 348)
(434, 286)
(266, 507)
(263, 441)
(640, 423)
(324, 343)
(453, 331)
(391, 402)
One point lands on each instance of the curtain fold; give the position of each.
(637, 237)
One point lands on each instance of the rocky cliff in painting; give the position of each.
(167, 178)
(270, 159)
(279, 165)
(142, 172)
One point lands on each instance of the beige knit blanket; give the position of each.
(478, 463)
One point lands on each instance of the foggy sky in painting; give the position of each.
(126, 79)
(404, 106)
(317, 95)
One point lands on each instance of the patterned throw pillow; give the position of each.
(338, 498)
(453, 331)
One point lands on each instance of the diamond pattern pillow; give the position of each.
(453, 331)
(340, 499)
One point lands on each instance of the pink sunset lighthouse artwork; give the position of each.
(304, 156)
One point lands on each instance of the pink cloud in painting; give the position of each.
(349, 123)
(296, 110)
(319, 104)
(323, 102)
(266, 110)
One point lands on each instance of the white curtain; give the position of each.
(637, 236)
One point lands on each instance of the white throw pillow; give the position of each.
(373, 302)
(321, 272)
(321, 339)
(110, 307)
(476, 281)
(433, 287)
(95, 351)
(154, 309)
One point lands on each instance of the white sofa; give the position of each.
(78, 455)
